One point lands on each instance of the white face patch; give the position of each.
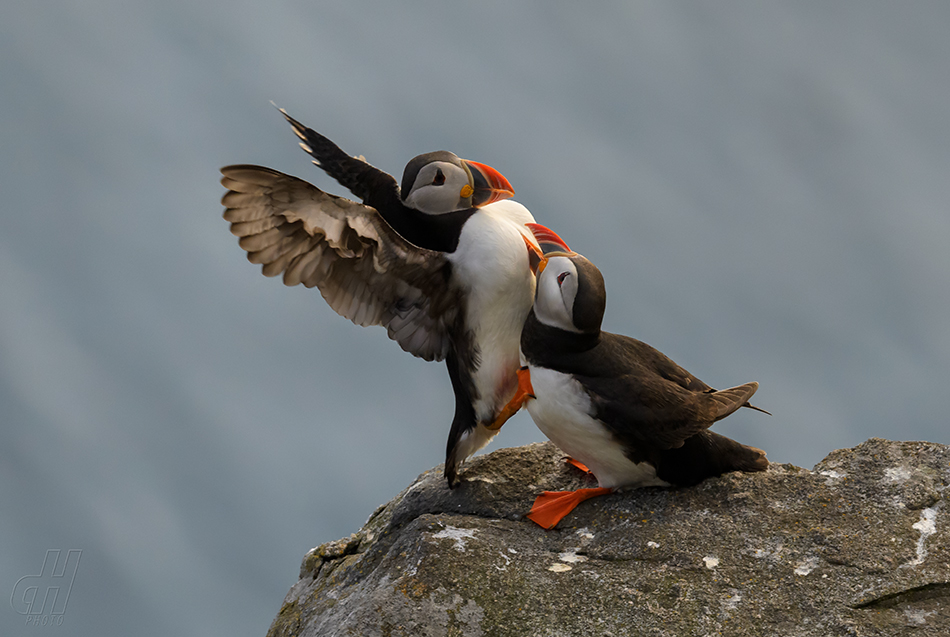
(557, 287)
(437, 189)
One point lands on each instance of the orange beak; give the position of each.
(546, 238)
(535, 256)
(490, 185)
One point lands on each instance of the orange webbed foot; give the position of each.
(551, 506)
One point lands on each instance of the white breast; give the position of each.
(562, 411)
(491, 264)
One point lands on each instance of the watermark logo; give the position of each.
(42, 598)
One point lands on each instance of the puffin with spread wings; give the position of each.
(440, 262)
(618, 407)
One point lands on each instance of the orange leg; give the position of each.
(522, 394)
(580, 465)
(551, 506)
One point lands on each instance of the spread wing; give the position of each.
(375, 187)
(363, 268)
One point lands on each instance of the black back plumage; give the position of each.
(657, 410)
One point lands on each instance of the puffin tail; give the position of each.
(726, 401)
(462, 444)
(759, 409)
(708, 454)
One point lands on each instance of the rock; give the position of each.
(859, 546)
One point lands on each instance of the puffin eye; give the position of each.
(561, 277)
(439, 177)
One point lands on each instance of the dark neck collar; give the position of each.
(433, 232)
(542, 343)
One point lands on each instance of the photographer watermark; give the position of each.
(42, 598)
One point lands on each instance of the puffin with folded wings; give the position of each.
(439, 262)
(620, 408)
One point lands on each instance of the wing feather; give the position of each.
(363, 268)
(659, 413)
(645, 397)
(245, 228)
(374, 186)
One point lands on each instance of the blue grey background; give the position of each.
(765, 186)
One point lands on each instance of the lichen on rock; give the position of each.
(859, 546)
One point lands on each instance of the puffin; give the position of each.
(439, 261)
(620, 408)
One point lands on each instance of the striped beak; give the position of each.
(548, 243)
(490, 185)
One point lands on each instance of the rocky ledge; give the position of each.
(858, 546)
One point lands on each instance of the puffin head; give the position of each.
(570, 293)
(440, 182)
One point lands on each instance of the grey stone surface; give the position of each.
(859, 546)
